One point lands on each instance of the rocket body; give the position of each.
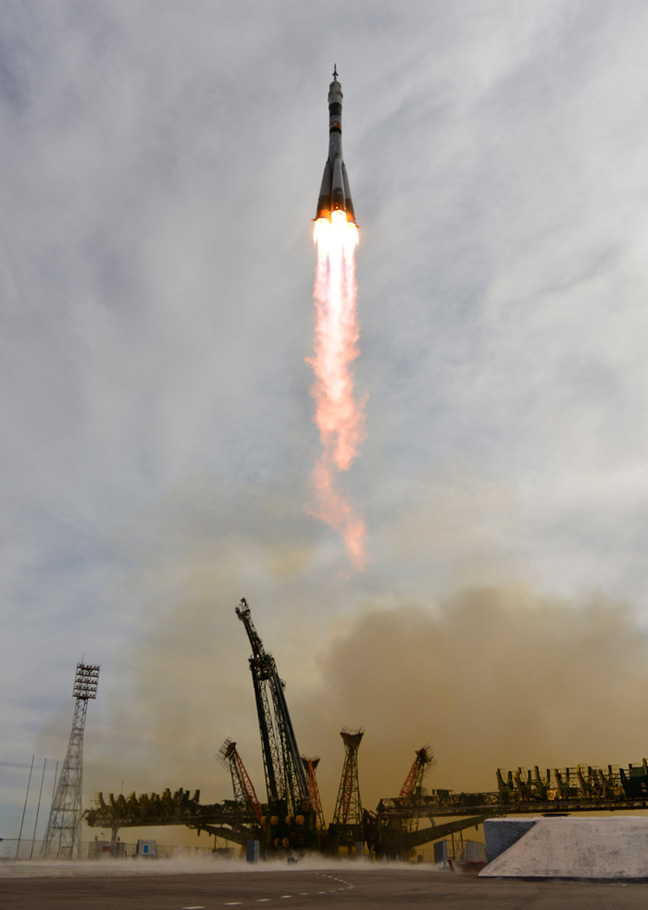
(335, 195)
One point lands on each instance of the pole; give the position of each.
(55, 778)
(25, 806)
(40, 794)
(44, 847)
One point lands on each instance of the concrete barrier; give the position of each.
(569, 848)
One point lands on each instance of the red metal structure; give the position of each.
(310, 765)
(414, 780)
(244, 791)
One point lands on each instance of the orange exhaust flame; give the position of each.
(339, 417)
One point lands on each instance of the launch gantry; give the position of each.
(292, 820)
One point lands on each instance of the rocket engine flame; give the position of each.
(339, 416)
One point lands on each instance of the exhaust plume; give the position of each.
(339, 417)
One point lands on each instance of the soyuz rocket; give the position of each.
(335, 195)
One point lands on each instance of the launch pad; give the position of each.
(290, 819)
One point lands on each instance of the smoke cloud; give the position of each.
(490, 676)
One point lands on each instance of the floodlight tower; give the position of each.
(63, 835)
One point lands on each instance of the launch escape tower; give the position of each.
(346, 828)
(291, 816)
(63, 835)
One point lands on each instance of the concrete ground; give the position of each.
(351, 886)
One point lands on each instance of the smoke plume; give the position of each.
(492, 677)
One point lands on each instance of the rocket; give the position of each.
(335, 195)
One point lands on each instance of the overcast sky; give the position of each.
(160, 169)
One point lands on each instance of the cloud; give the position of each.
(160, 167)
(491, 677)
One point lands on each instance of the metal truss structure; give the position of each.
(412, 788)
(292, 817)
(346, 829)
(561, 791)
(244, 792)
(284, 772)
(144, 810)
(63, 835)
(310, 766)
(290, 813)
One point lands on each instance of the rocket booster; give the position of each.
(335, 195)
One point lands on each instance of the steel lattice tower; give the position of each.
(286, 781)
(63, 835)
(290, 821)
(346, 827)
